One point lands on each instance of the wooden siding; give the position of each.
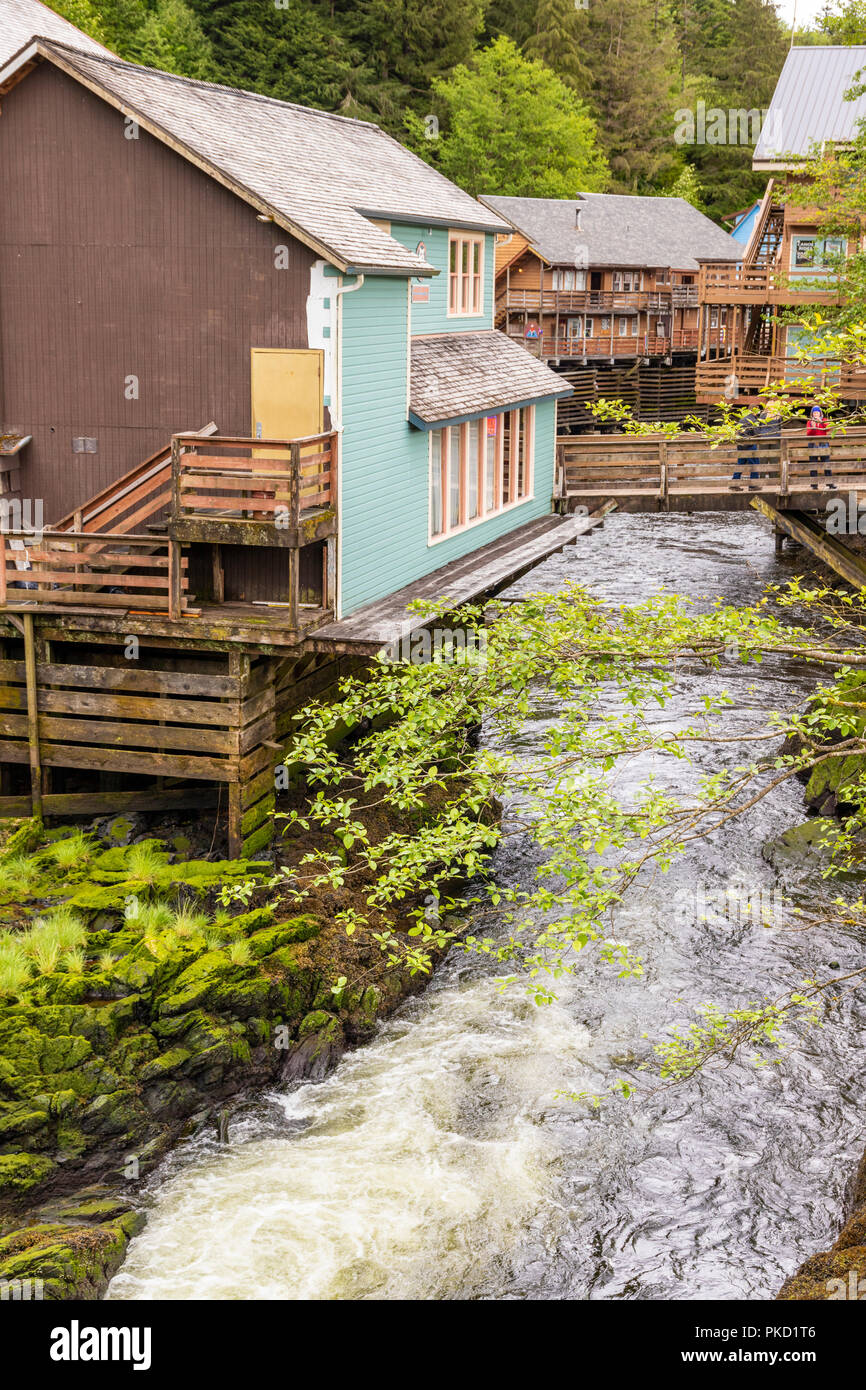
(118, 259)
(509, 246)
(385, 471)
(433, 317)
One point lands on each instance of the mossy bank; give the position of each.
(133, 1007)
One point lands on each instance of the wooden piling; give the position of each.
(32, 717)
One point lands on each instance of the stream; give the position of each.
(438, 1162)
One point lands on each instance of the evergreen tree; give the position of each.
(514, 18)
(557, 39)
(83, 14)
(120, 21)
(631, 52)
(172, 39)
(736, 77)
(514, 127)
(402, 47)
(292, 49)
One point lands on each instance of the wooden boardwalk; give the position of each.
(483, 572)
(683, 473)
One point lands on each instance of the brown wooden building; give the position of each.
(604, 276)
(792, 258)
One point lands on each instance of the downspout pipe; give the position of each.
(338, 425)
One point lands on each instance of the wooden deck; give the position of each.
(483, 572)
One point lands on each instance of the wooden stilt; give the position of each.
(219, 578)
(32, 717)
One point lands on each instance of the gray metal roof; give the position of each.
(315, 173)
(455, 375)
(809, 105)
(618, 230)
(22, 20)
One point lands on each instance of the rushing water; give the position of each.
(437, 1162)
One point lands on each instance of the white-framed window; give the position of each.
(564, 278)
(465, 274)
(626, 280)
(590, 327)
(627, 326)
(480, 468)
(574, 327)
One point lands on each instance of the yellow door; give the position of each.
(287, 401)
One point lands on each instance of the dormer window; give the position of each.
(465, 274)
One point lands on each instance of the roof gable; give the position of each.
(316, 174)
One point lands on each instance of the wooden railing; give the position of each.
(66, 568)
(722, 282)
(591, 301)
(662, 467)
(640, 345)
(275, 480)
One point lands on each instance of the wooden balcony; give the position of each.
(723, 283)
(270, 492)
(164, 543)
(592, 301)
(639, 345)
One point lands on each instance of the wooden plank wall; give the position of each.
(172, 731)
(174, 281)
(656, 392)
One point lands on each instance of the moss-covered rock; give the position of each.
(802, 846)
(264, 943)
(164, 1064)
(178, 1009)
(22, 1172)
(321, 1042)
(63, 1262)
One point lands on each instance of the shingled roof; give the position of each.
(618, 230)
(809, 106)
(454, 376)
(318, 175)
(22, 20)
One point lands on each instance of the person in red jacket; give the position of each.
(817, 430)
